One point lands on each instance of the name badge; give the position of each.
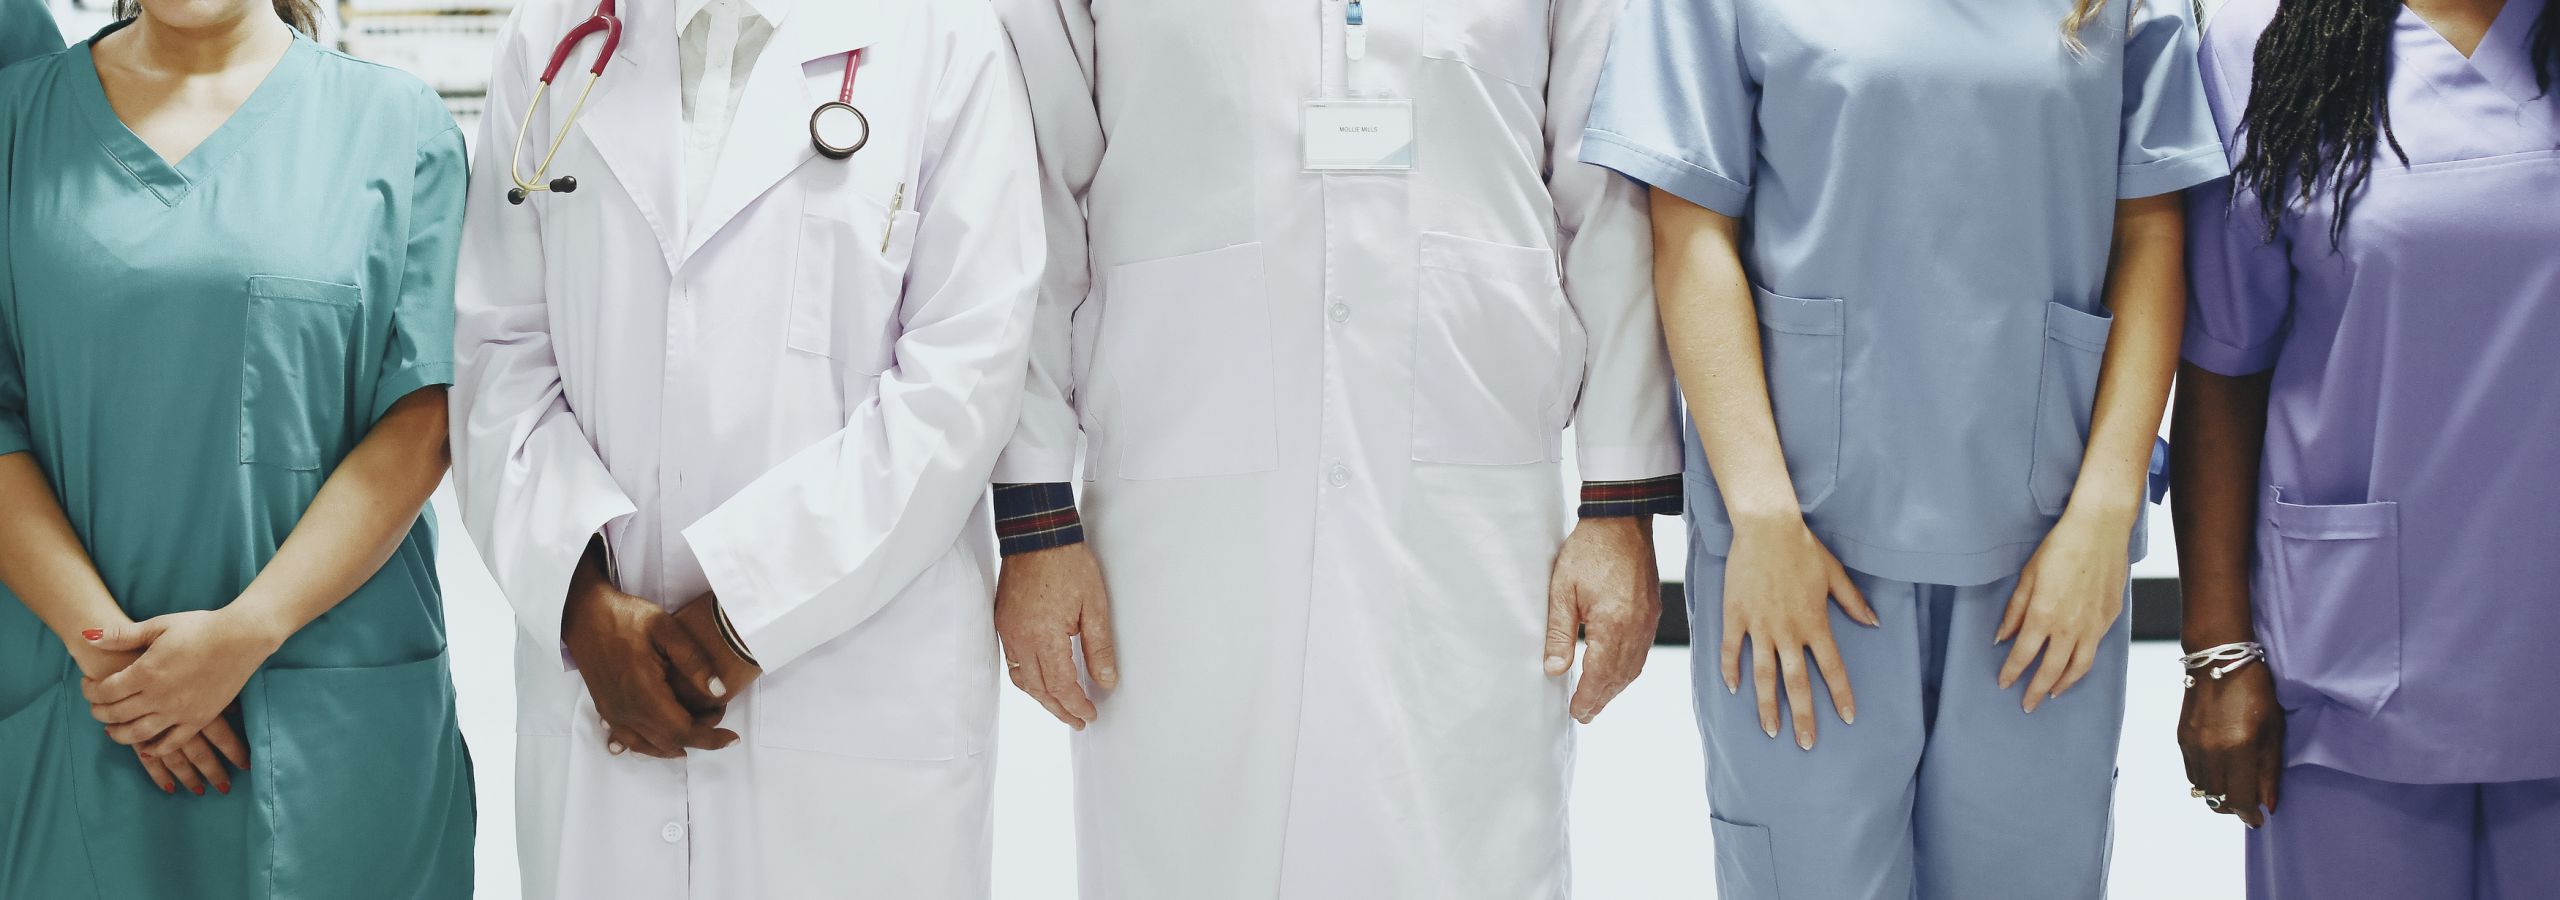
(1357, 135)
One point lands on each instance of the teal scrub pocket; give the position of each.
(2075, 349)
(1804, 344)
(1746, 861)
(362, 781)
(296, 364)
(2335, 603)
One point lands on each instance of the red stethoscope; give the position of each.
(836, 129)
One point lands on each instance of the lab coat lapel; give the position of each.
(633, 120)
(770, 136)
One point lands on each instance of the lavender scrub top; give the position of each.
(2408, 577)
(1929, 189)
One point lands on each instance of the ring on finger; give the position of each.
(1013, 664)
(2196, 793)
(2215, 802)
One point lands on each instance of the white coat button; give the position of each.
(672, 833)
(1341, 475)
(1341, 312)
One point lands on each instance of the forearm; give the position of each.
(43, 562)
(359, 518)
(2146, 294)
(2218, 434)
(1714, 335)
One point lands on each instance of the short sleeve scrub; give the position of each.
(188, 351)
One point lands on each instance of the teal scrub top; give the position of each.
(27, 31)
(189, 351)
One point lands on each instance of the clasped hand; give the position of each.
(163, 685)
(661, 681)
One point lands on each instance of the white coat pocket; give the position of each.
(1506, 39)
(847, 280)
(1185, 363)
(1495, 351)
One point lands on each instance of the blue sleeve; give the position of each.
(419, 353)
(2168, 141)
(1677, 107)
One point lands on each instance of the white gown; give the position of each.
(1325, 418)
(782, 403)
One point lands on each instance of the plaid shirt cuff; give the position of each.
(1649, 497)
(1036, 517)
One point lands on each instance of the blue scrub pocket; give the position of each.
(1803, 342)
(2075, 348)
(362, 784)
(1746, 861)
(2333, 602)
(297, 361)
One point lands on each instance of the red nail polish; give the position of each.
(94, 633)
(226, 789)
(199, 789)
(168, 789)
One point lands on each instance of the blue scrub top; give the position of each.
(27, 30)
(1929, 189)
(189, 351)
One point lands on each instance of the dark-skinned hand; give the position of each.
(646, 673)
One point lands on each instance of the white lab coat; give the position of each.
(758, 400)
(1324, 419)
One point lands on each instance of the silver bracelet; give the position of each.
(2231, 656)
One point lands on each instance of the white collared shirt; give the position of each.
(717, 42)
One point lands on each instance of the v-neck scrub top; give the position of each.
(2408, 572)
(189, 351)
(1930, 192)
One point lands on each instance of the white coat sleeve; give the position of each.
(1626, 423)
(533, 490)
(809, 550)
(1053, 43)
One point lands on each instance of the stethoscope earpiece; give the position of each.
(565, 184)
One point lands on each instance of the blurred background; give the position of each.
(1639, 807)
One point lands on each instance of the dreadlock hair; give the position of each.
(2319, 102)
(303, 15)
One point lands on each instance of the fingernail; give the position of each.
(1804, 743)
(224, 788)
(1106, 673)
(1773, 732)
(1848, 717)
(1555, 665)
(1733, 689)
(718, 688)
(199, 789)
(168, 789)
(614, 747)
(94, 634)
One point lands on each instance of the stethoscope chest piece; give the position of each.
(838, 129)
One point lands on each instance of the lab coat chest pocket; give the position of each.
(1506, 39)
(1495, 352)
(2333, 601)
(846, 281)
(1184, 360)
(1803, 344)
(2075, 347)
(297, 360)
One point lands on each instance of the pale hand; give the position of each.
(193, 665)
(1043, 599)
(1605, 586)
(1779, 584)
(2067, 598)
(194, 765)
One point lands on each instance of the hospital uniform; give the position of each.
(2405, 576)
(773, 376)
(1322, 416)
(189, 350)
(26, 31)
(1929, 190)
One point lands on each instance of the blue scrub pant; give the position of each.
(1943, 790)
(2336, 836)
